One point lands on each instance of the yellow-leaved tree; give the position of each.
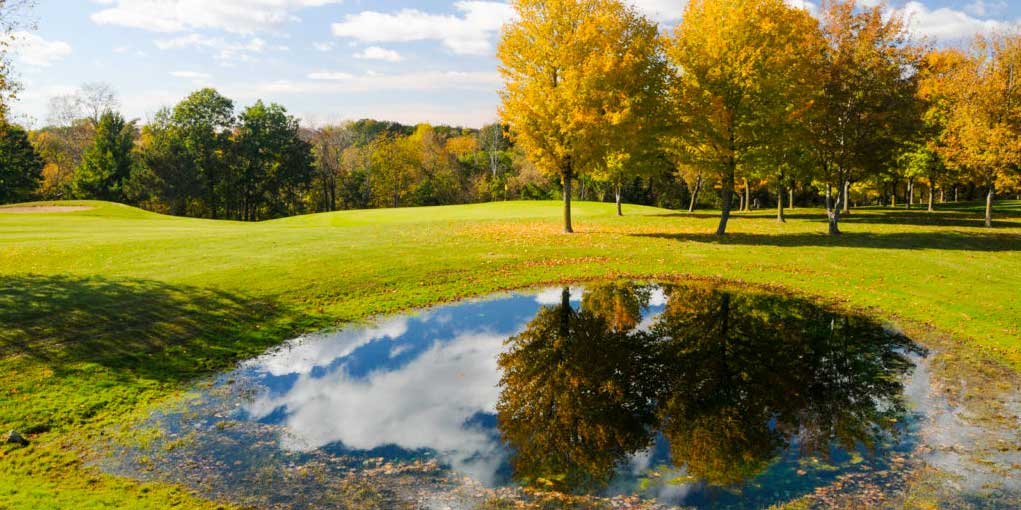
(744, 69)
(583, 81)
(984, 130)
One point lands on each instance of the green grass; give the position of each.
(107, 311)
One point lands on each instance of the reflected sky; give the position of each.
(423, 382)
(643, 367)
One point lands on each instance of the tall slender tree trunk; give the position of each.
(893, 198)
(989, 206)
(566, 178)
(791, 201)
(846, 196)
(779, 203)
(833, 210)
(728, 197)
(910, 193)
(955, 194)
(932, 196)
(740, 202)
(617, 192)
(694, 194)
(747, 195)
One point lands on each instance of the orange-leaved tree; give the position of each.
(985, 128)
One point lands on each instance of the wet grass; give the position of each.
(107, 311)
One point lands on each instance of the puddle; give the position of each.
(618, 395)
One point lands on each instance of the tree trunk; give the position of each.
(911, 194)
(989, 207)
(694, 194)
(747, 195)
(932, 196)
(846, 197)
(740, 202)
(779, 203)
(893, 198)
(617, 192)
(791, 201)
(728, 196)
(955, 194)
(833, 210)
(566, 178)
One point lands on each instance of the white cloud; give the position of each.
(948, 24)
(194, 75)
(663, 11)
(33, 51)
(225, 50)
(239, 16)
(424, 404)
(330, 76)
(377, 53)
(984, 8)
(331, 82)
(469, 33)
(323, 46)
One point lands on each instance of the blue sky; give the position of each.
(326, 60)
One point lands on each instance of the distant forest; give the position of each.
(206, 158)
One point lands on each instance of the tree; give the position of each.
(867, 109)
(328, 146)
(274, 165)
(575, 71)
(984, 132)
(20, 166)
(392, 162)
(743, 66)
(107, 164)
(167, 168)
(203, 124)
(11, 19)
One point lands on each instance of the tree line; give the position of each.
(745, 104)
(757, 94)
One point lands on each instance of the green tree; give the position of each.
(273, 165)
(202, 125)
(107, 164)
(743, 69)
(20, 166)
(576, 71)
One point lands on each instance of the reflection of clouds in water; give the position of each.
(657, 297)
(306, 353)
(424, 404)
(949, 432)
(554, 295)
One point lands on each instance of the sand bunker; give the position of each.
(44, 209)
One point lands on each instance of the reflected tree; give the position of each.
(620, 304)
(731, 380)
(576, 398)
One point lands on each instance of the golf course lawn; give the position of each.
(108, 310)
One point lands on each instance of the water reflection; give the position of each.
(673, 391)
(729, 380)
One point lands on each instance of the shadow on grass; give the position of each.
(919, 217)
(889, 241)
(140, 328)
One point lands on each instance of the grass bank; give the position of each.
(107, 310)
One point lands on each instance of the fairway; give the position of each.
(108, 310)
